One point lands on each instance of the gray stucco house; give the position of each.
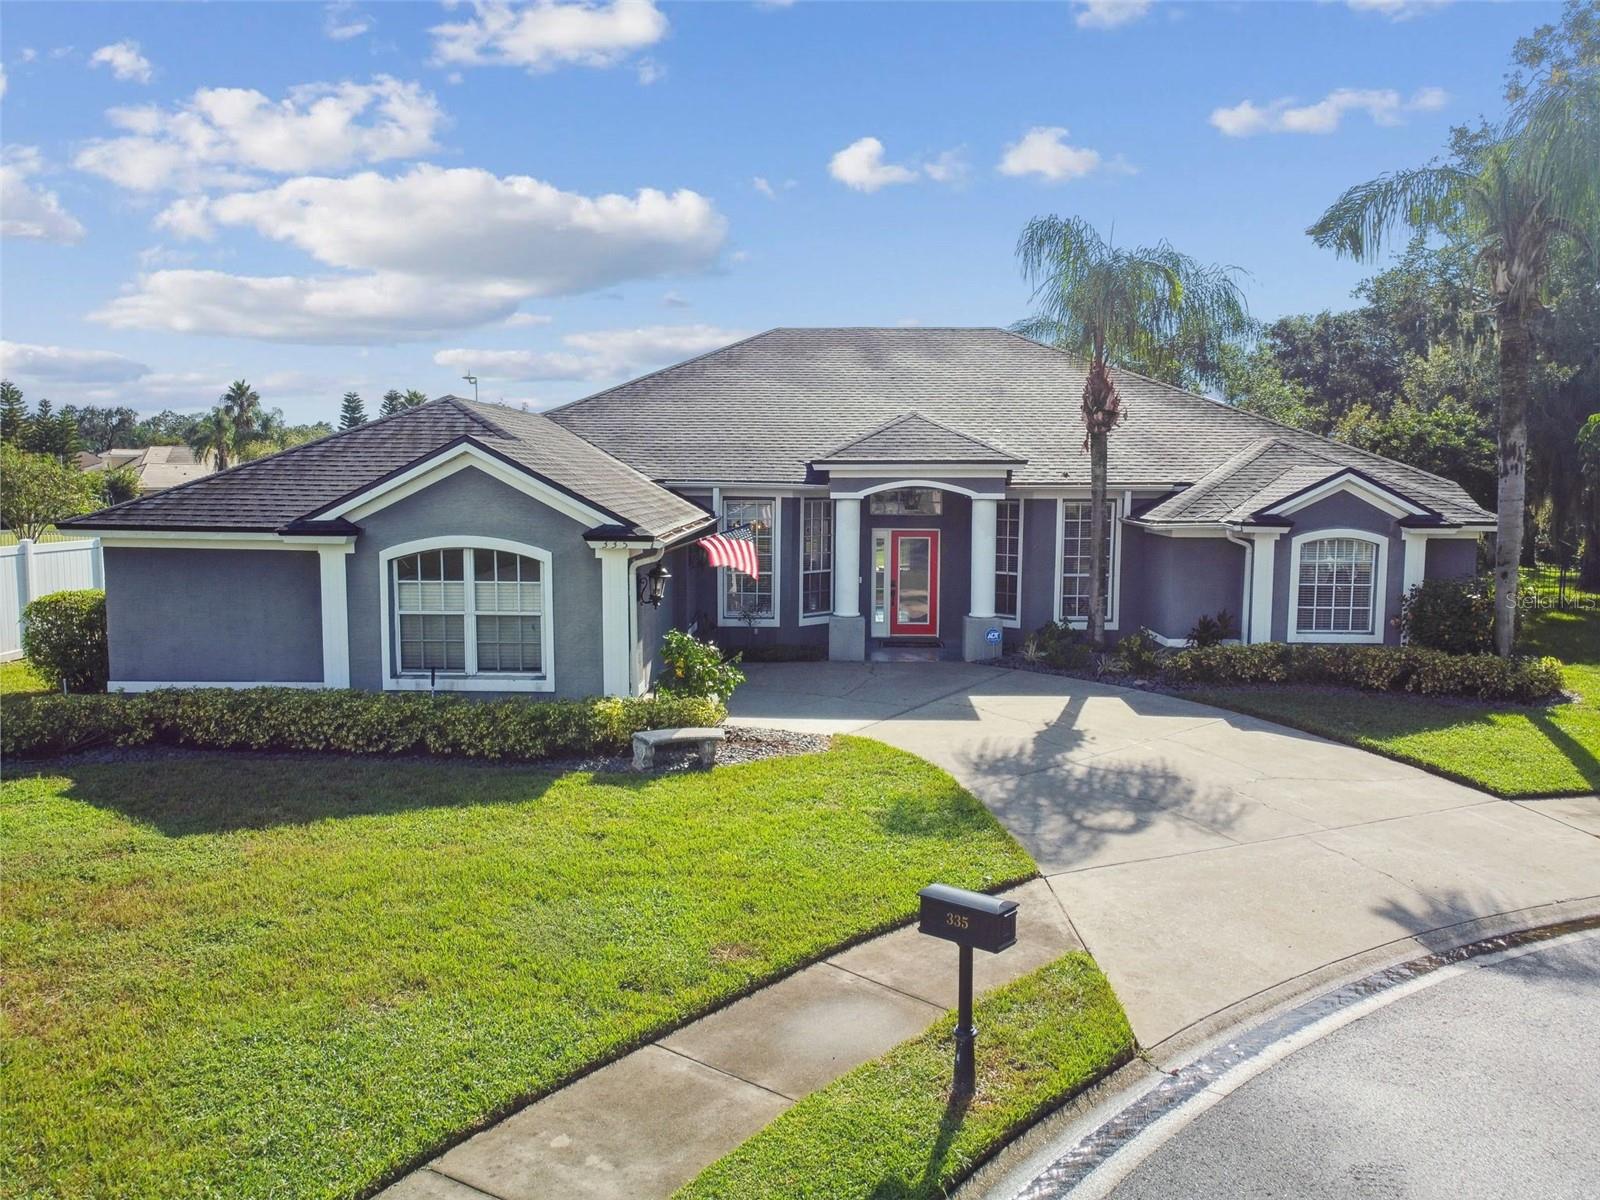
(908, 487)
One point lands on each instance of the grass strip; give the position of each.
(889, 1131)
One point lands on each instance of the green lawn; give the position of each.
(887, 1130)
(18, 679)
(1504, 749)
(255, 976)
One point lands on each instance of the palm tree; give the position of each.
(242, 403)
(1516, 195)
(213, 437)
(1148, 308)
(413, 397)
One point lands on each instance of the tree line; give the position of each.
(1476, 356)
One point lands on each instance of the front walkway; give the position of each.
(1202, 856)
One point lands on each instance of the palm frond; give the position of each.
(1360, 223)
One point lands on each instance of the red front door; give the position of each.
(914, 582)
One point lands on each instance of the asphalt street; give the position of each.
(1484, 1085)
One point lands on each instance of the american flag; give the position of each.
(734, 548)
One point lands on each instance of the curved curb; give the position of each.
(1129, 1107)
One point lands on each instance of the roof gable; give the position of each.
(916, 437)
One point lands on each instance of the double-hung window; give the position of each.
(1336, 588)
(816, 557)
(745, 599)
(470, 612)
(1008, 560)
(1075, 543)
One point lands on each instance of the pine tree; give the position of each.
(13, 412)
(393, 402)
(352, 412)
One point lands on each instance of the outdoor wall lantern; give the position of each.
(653, 585)
(970, 920)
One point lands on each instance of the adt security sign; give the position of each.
(992, 637)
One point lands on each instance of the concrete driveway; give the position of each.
(1203, 856)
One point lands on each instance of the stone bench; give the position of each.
(647, 741)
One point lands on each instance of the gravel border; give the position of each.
(742, 744)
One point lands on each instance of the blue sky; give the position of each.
(322, 197)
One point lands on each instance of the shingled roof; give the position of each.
(764, 409)
(1272, 469)
(913, 437)
(300, 483)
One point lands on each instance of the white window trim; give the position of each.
(1380, 589)
(1022, 516)
(1114, 598)
(1383, 499)
(393, 681)
(728, 620)
(816, 618)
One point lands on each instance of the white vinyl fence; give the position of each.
(29, 570)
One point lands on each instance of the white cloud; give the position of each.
(491, 244)
(650, 71)
(222, 136)
(32, 212)
(948, 167)
(603, 354)
(482, 226)
(676, 300)
(860, 165)
(125, 61)
(380, 307)
(761, 185)
(1043, 152)
(1397, 10)
(64, 363)
(342, 21)
(1108, 14)
(3, 82)
(1384, 105)
(546, 34)
(522, 320)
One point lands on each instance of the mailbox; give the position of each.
(969, 919)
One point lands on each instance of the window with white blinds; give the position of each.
(494, 626)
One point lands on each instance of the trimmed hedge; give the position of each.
(1373, 669)
(347, 722)
(64, 639)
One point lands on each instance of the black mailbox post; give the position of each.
(972, 920)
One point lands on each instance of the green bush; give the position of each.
(347, 722)
(1453, 615)
(64, 639)
(696, 668)
(1061, 646)
(1417, 669)
(1213, 631)
(1141, 654)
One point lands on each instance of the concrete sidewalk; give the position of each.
(653, 1119)
(1203, 856)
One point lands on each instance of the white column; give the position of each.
(1261, 574)
(984, 514)
(1415, 563)
(615, 602)
(335, 617)
(846, 557)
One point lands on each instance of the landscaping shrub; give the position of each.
(696, 668)
(1213, 631)
(64, 639)
(1417, 669)
(1453, 615)
(1141, 654)
(1060, 646)
(348, 722)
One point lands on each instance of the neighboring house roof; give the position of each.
(914, 437)
(158, 467)
(1275, 468)
(298, 484)
(764, 409)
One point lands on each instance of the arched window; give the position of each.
(467, 615)
(1338, 581)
